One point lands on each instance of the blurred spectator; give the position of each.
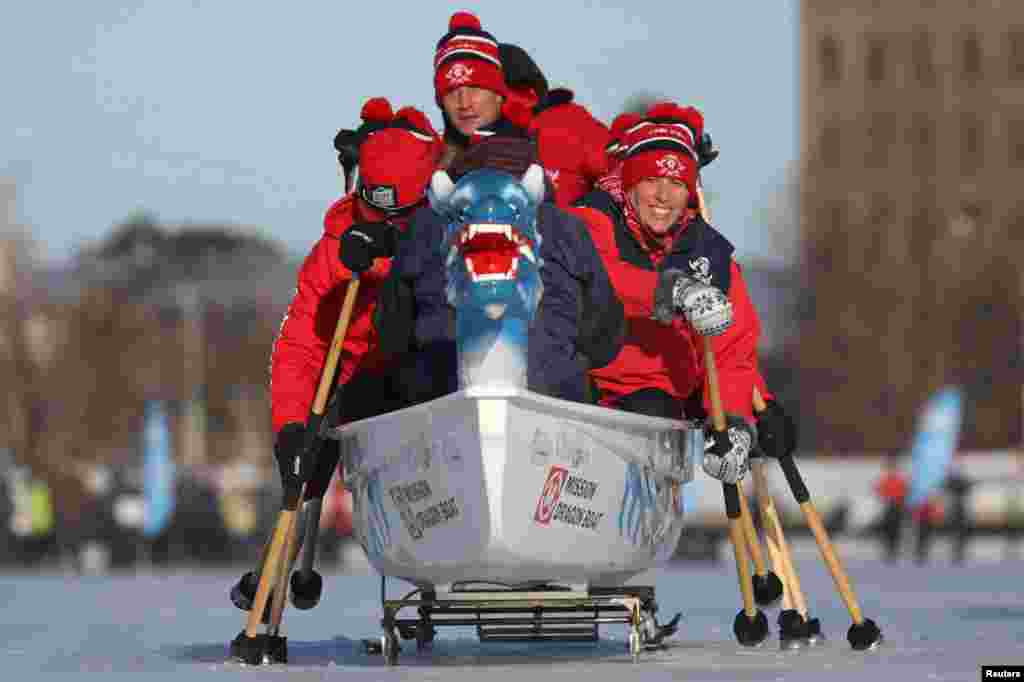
(959, 488)
(929, 517)
(1014, 518)
(892, 489)
(31, 521)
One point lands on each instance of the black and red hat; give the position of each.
(467, 55)
(398, 153)
(662, 144)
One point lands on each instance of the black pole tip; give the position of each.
(792, 625)
(864, 636)
(306, 592)
(767, 589)
(814, 633)
(243, 594)
(750, 632)
(248, 650)
(276, 649)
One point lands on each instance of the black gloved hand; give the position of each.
(362, 242)
(706, 152)
(664, 309)
(294, 461)
(776, 431)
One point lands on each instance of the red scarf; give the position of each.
(658, 246)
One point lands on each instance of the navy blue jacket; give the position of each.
(579, 322)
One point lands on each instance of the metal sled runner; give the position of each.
(531, 613)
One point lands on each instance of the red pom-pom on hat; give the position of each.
(624, 122)
(377, 109)
(417, 119)
(666, 110)
(688, 115)
(464, 20)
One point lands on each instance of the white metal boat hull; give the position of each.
(509, 486)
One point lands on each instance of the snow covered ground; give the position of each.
(941, 623)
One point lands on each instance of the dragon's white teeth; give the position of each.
(469, 266)
(526, 251)
(474, 229)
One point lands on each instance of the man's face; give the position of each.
(470, 108)
(659, 202)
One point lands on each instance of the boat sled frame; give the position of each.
(506, 613)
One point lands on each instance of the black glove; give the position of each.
(362, 242)
(665, 309)
(776, 431)
(294, 461)
(706, 152)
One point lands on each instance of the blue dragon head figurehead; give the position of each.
(491, 249)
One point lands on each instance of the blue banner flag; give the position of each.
(158, 469)
(935, 443)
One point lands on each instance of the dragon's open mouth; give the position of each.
(491, 251)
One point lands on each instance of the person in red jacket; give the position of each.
(571, 141)
(397, 153)
(650, 242)
(477, 79)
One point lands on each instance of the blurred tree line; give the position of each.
(151, 312)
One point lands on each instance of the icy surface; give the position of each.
(940, 623)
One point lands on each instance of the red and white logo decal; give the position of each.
(459, 74)
(549, 496)
(671, 166)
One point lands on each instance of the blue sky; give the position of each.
(225, 111)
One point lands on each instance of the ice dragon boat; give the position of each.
(516, 512)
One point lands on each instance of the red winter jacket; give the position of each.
(671, 357)
(302, 343)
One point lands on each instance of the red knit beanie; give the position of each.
(467, 55)
(397, 159)
(662, 145)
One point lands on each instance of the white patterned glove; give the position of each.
(706, 307)
(726, 452)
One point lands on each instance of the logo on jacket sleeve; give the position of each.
(701, 269)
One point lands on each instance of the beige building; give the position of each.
(912, 205)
